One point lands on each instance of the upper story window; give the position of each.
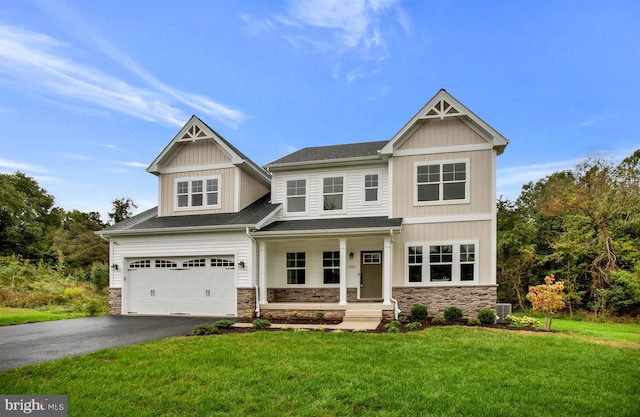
(371, 187)
(296, 196)
(447, 263)
(439, 182)
(332, 192)
(198, 192)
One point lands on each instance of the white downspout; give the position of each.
(255, 285)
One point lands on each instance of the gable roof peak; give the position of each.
(443, 105)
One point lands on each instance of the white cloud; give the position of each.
(593, 121)
(133, 164)
(355, 28)
(45, 65)
(19, 166)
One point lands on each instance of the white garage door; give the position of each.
(203, 285)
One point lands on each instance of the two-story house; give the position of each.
(324, 229)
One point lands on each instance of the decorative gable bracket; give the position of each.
(440, 110)
(194, 133)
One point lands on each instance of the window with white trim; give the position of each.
(296, 196)
(371, 187)
(331, 267)
(198, 192)
(441, 182)
(441, 263)
(296, 267)
(332, 191)
(162, 263)
(194, 263)
(140, 264)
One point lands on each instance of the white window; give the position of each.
(331, 267)
(296, 196)
(371, 187)
(441, 263)
(441, 182)
(198, 192)
(296, 267)
(194, 263)
(162, 263)
(333, 189)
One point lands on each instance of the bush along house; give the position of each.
(373, 227)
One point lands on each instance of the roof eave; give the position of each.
(175, 230)
(331, 162)
(319, 232)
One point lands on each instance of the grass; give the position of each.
(10, 316)
(601, 331)
(441, 371)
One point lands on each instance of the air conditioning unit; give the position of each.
(502, 311)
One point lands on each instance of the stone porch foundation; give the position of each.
(471, 299)
(115, 301)
(309, 295)
(246, 303)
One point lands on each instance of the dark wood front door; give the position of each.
(371, 275)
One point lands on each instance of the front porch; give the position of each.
(353, 312)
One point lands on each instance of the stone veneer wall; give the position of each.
(246, 303)
(115, 301)
(437, 299)
(309, 295)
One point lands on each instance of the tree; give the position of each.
(122, 209)
(77, 241)
(547, 299)
(27, 217)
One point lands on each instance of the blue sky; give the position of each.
(92, 91)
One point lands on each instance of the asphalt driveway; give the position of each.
(25, 344)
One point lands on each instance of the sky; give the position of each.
(92, 91)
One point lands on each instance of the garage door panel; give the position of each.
(194, 287)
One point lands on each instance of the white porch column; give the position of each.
(262, 272)
(386, 271)
(343, 272)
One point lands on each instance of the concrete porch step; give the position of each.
(363, 315)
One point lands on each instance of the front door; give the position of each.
(371, 275)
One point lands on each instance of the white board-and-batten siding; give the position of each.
(354, 204)
(177, 245)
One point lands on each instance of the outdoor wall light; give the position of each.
(114, 267)
(350, 255)
(241, 264)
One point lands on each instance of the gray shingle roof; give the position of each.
(149, 219)
(331, 153)
(345, 223)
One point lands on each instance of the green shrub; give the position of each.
(453, 313)
(486, 316)
(473, 321)
(403, 319)
(261, 324)
(394, 323)
(205, 329)
(319, 316)
(413, 326)
(393, 329)
(100, 275)
(419, 312)
(438, 320)
(224, 324)
(523, 321)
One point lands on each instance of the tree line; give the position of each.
(580, 225)
(33, 228)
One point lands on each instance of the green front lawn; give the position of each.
(441, 371)
(9, 316)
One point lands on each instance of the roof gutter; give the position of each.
(173, 230)
(343, 232)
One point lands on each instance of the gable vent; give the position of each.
(194, 133)
(502, 311)
(442, 109)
